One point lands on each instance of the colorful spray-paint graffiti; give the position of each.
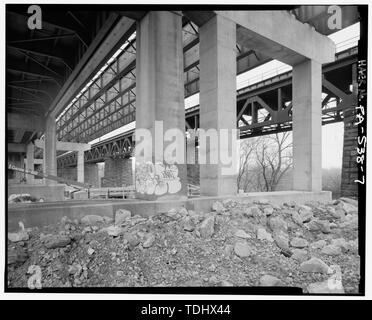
(157, 179)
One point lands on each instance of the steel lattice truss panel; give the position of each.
(109, 102)
(262, 108)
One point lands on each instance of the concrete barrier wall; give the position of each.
(41, 214)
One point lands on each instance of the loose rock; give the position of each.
(299, 255)
(188, 225)
(328, 286)
(218, 206)
(314, 265)
(206, 228)
(113, 231)
(277, 224)
(299, 243)
(281, 240)
(270, 281)
(262, 234)
(331, 250)
(92, 219)
(121, 216)
(56, 241)
(149, 241)
(242, 249)
(318, 244)
(242, 234)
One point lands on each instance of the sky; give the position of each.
(332, 134)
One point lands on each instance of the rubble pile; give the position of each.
(23, 198)
(312, 246)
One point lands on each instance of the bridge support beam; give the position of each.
(30, 162)
(50, 150)
(80, 166)
(160, 97)
(307, 126)
(217, 101)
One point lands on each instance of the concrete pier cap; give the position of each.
(281, 36)
(277, 34)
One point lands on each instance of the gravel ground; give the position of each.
(236, 244)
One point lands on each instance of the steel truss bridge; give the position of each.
(263, 108)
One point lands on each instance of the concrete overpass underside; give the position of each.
(161, 58)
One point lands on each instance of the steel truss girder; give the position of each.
(121, 147)
(112, 119)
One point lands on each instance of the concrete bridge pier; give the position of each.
(160, 97)
(50, 149)
(30, 152)
(307, 126)
(217, 101)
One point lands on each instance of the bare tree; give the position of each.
(274, 158)
(247, 153)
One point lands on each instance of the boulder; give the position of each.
(336, 213)
(351, 222)
(262, 234)
(132, 240)
(341, 243)
(172, 213)
(252, 211)
(314, 265)
(323, 226)
(206, 228)
(183, 211)
(353, 246)
(113, 231)
(305, 213)
(270, 281)
(121, 216)
(319, 225)
(278, 224)
(331, 250)
(350, 201)
(318, 244)
(218, 206)
(281, 240)
(328, 286)
(349, 208)
(92, 219)
(297, 218)
(242, 249)
(188, 224)
(242, 234)
(268, 211)
(299, 255)
(150, 239)
(299, 242)
(56, 241)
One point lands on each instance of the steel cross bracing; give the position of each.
(262, 108)
(109, 102)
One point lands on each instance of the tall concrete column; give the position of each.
(50, 149)
(160, 97)
(217, 100)
(307, 126)
(30, 153)
(80, 166)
